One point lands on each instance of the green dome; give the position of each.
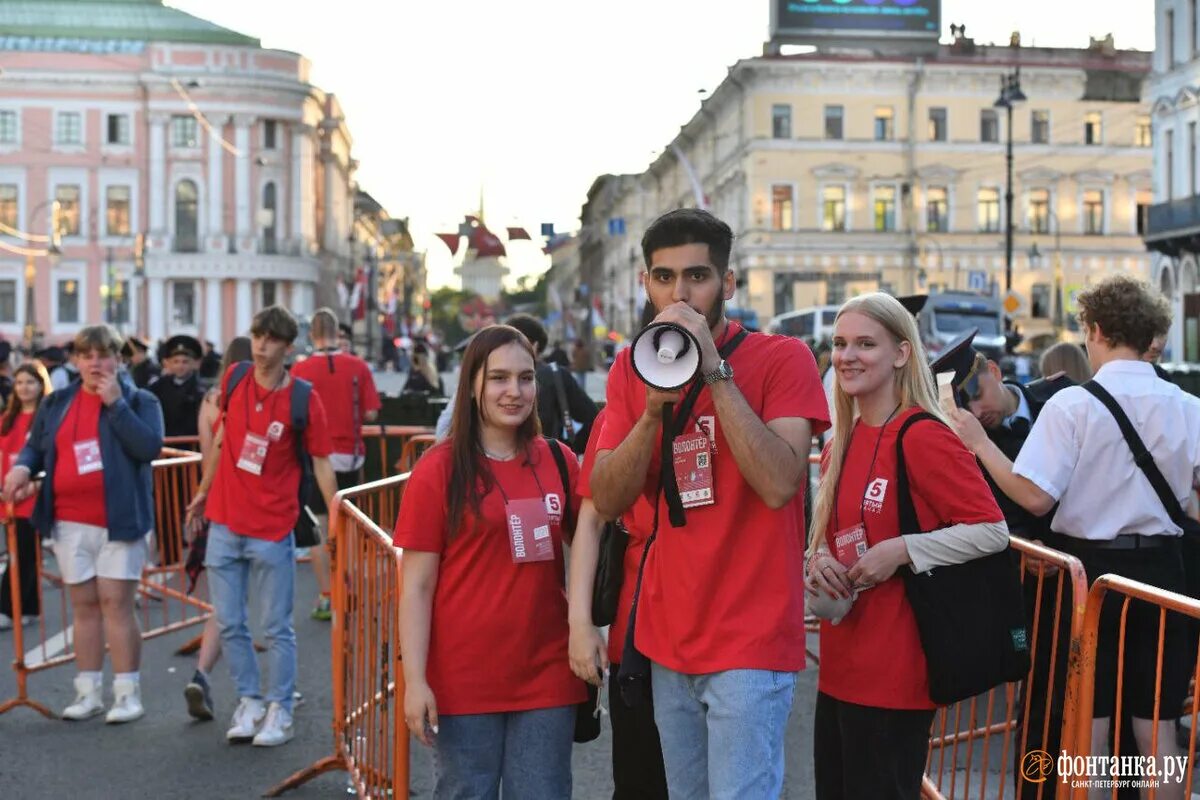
(119, 20)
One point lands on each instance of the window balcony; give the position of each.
(1174, 226)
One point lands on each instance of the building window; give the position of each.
(69, 129)
(184, 131)
(884, 119)
(781, 122)
(1039, 210)
(1170, 38)
(988, 210)
(8, 127)
(937, 124)
(117, 129)
(183, 303)
(8, 300)
(885, 208)
(115, 294)
(1039, 301)
(1093, 128)
(68, 209)
(270, 244)
(270, 291)
(833, 121)
(1142, 136)
(68, 301)
(270, 132)
(8, 206)
(782, 206)
(936, 209)
(1191, 158)
(1192, 28)
(187, 227)
(833, 208)
(1170, 148)
(1039, 131)
(989, 125)
(1144, 200)
(1093, 212)
(116, 214)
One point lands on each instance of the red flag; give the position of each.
(450, 240)
(358, 298)
(518, 233)
(486, 244)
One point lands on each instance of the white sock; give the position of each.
(96, 677)
(132, 677)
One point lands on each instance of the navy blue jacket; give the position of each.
(131, 436)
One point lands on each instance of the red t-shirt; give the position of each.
(79, 498)
(11, 445)
(342, 380)
(498, 636)
(263, 506)
(726, 591)
(873, 657)
(638, 521)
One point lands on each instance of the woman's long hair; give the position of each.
(35, 370)
(914, 384)
(470, 477)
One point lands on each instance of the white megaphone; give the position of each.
(666, 356)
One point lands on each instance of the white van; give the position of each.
(810, 324)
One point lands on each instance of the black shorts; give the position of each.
(1157, 566)
(345, 480)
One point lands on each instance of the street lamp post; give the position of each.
(1010, 94)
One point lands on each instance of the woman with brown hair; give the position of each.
(483, 616)
(31, 383)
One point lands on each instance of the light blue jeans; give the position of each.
(529, 752)
(722, 733)
(237, 564)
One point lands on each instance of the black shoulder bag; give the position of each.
(634, 675)
(587, 717)
(970, 617)
(1145, 461)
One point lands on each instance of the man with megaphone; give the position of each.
(713, 425)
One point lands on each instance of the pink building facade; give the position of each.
(219, 155)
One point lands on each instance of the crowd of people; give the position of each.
(925, 468)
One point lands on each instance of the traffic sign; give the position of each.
(977, 281)
(1013, 302)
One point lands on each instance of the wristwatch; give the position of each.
(723, 372)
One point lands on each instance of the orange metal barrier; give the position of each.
(1166, 603)
(189, 443)
(390, 440)
(166, 606)
(414, 448)
(370, 736)
(977, 746)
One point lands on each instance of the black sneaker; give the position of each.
(199, 697)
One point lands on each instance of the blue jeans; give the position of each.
(235, 564)
(529, 752)
(722, 733)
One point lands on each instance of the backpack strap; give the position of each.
(240, 370)
(561, 462)
(908, 512)
(564, 412)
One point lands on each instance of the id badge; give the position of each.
(254, 453)
(87, 457)
(693, 469)
(850, 544)
(529, 531)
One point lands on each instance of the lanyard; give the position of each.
(536, 479)
(259, 406)
(862, 514)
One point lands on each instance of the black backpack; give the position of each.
(301, 392)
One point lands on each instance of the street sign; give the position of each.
(1013, 302)
(977, 281)
(616, 226)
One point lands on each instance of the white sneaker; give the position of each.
(246, 719)
(127, 702)
(277, 729)
(89, 700)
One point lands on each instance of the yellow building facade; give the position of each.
(843, 173)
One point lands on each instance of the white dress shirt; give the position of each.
(1077, 455)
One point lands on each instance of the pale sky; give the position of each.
(533, 99)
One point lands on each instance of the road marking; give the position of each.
(56, 644)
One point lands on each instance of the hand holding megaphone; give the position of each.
(670, 351)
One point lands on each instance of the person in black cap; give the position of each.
(210, 364)
(141, 367)
(345, 338)
(55, 359)
(178, 388)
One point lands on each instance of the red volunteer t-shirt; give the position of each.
(726, 591)
(638, 521)
(873, 657)
(263, 506)
(11, 445)
(342, 380)
(498, 635)
(79, 498)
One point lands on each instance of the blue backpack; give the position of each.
(301, 392)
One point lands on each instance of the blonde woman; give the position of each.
(1067, 358)
(873, 708)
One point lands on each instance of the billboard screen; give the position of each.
(821, 18)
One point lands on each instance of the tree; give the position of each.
(445, 306)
